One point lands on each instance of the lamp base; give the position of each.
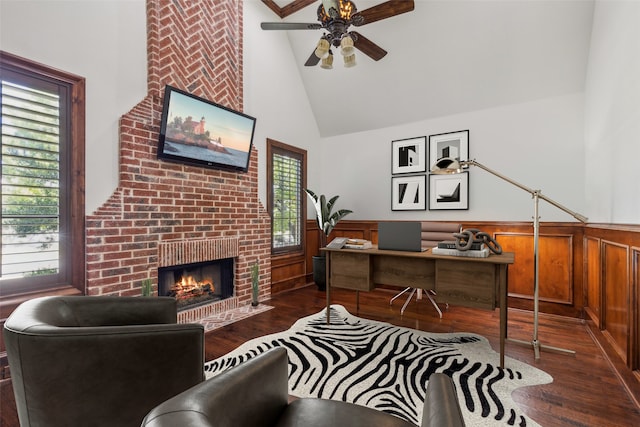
(537, 347)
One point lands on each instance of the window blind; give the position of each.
(30, 194)
(287, 203)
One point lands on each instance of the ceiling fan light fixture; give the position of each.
(347, 9)
(327, 5)
(327, 63)
(335, 17)
(350, 61)
(322, 49)
(336, 9)
(346, 46)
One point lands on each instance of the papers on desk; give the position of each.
(483, 253)
(358, 244)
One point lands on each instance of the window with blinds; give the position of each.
(30, 182)
(287, 180)
(41, 148)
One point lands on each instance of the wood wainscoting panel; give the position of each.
(555, 266)
(352, 234)
(615, 283)
(288, 272)
(592, 280)
(635, 312)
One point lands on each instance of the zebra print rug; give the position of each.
(386, 367)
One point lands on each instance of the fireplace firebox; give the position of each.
(197, 283)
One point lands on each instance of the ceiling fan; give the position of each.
(335, 17)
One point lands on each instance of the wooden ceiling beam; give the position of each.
(289, 9)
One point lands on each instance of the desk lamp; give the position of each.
(447, 166)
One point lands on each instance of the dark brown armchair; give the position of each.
(99, 361)
(255, 393)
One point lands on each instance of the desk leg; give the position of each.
(502, 277)
(328, 285)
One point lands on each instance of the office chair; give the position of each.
(432, 234)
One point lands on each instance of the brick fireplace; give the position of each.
(198, 282)
(164, 213)
(195, 251)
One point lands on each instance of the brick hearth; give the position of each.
(163, 210)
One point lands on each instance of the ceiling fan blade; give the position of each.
(382, 11)
(313, 60)
(290, 26)
(368, 47)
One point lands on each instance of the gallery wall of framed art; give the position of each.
(413, 187)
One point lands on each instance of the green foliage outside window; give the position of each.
(30, 182)
(287, 204)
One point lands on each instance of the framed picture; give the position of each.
(454, 145)
(409, 155)
(408, 193)
(449, 191)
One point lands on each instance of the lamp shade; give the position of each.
(327, 63)
(331, 4)
(446, 166)
(350, 61)
(346, 46)
(322, 50)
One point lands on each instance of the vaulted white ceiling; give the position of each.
(447, 57)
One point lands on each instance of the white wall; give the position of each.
(101, 40)
(528, 143)
(612, 114)
(274, 94)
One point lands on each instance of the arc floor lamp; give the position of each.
(451, 166)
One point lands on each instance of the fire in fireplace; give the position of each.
(197, 283)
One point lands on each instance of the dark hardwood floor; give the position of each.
(585, 390)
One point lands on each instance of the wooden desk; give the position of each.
(468, 282)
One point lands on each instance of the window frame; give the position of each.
(275, 147)
(72, 237)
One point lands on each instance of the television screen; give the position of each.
(199, 132)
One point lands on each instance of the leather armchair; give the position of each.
(99, 361)
(255, 393)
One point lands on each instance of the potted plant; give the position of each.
(255, 282)
(146, 287)
(327, 220)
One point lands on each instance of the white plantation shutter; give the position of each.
(42, 207)
(30, 181)
(286, 198)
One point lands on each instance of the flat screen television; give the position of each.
(199, 132)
